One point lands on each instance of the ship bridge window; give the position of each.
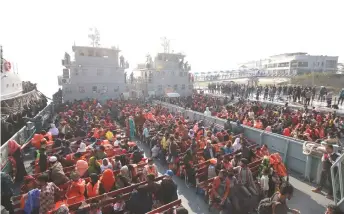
(94, 89)
(12, 84)
(81, 54)
(159, 87)
(175, 87)
(105, 89)
(90, 52)
(183, 87)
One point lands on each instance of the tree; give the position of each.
(94, 36)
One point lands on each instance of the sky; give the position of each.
(215, 35)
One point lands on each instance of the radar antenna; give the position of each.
(94, 36)
(165, 43)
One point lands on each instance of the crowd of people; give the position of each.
(304, 124)
(301, 94)
(86, 139)
(83, 155)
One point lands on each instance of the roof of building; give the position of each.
(95, 48)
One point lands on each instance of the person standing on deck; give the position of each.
(328, 160)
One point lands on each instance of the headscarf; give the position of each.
(12, 147)
(125, 172)
(236, 145)
(93, 165)
(109, 166)
(53, 130)
(82, 147)
(108, 180)
(81, 167)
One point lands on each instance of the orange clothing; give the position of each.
(108, 180)
(92, 190)
(151, 170)
(201, 144)
(216, 185)
(75, 192)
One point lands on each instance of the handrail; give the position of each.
(338, 164)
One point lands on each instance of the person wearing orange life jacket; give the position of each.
(94, 187)
(150, 168)
(76, 189)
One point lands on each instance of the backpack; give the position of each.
(265, 205)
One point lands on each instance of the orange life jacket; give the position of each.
(76, 192)
(151, 170)
(92, 190)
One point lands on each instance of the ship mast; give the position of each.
(165, 43)
(1, 59)
(94, 36)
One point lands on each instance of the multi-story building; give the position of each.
(166, 74)
(294, 63)
(95, 73)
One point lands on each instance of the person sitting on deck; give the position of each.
(246, 152)
(94, 187)
(168, 188)
(29, 184)
(154, 190)
(209, 151)
(14, 151)
(140, 202)
(81, 167)
(108, 180)
(245, 178)
(150, 168)
(93, 166)
(105, 165)
(76, 190)
(100, 153)
(47, 195)
(123, 178)
(227, 149)
(220, 189)
(56, 171)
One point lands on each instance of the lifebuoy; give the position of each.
(7, 66)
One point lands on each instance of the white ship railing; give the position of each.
(338, 180)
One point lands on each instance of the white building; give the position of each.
(294, 63)
(94, 73)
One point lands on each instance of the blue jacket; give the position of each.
(32, 201)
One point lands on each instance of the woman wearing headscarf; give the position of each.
(123, 178)
(93, 166)
(105, 165)
(53, 130)
(94, 187)
(81, 168)
(108, 180)
(14, 151)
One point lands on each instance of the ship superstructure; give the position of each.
(96, 72)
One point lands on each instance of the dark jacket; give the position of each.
(207, 153)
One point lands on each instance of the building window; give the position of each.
(100, 72)
(302, 64)
(283, 64)
(293, 64)
(94, 89)
(183, 87)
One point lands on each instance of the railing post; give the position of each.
(286, 148)
(309, 160)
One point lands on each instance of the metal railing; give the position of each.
(337, 170)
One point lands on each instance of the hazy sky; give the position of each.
(215, 35)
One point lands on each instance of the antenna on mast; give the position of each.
(165, 43)
(94, 36)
